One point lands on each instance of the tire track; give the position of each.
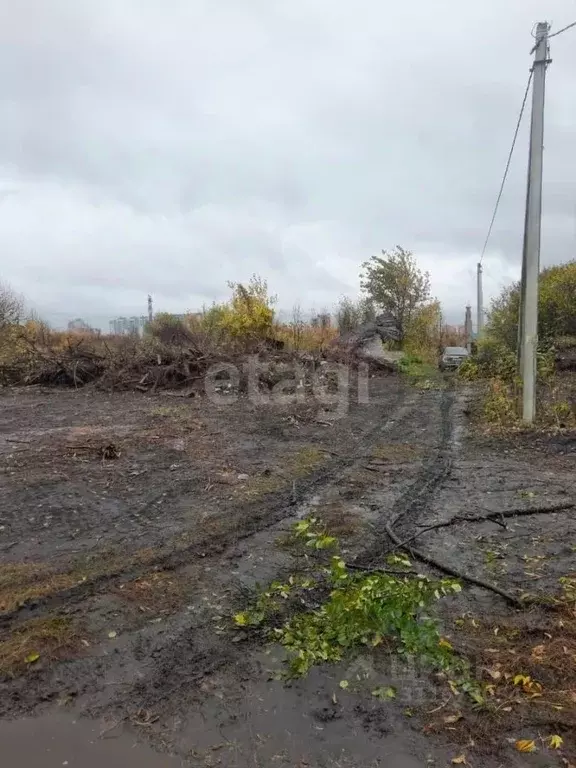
(414, 502)
(246, 520)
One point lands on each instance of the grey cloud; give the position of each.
(170, 146)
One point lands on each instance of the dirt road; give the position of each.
(133, 527)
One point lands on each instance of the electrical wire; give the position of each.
(568, 26)
(505, 176)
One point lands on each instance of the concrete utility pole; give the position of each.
(479, 301)
(531, 250)
(522, 297)
(150, 311)
(468, 327)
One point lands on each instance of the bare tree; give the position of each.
(11, 305)
(297, 326)
(348, 314)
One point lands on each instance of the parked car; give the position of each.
(452, 358)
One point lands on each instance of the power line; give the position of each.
(554, 34)
(505, 176)
(568, 26)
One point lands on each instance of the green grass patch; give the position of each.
(421, 373)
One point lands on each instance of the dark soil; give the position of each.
(133, 526)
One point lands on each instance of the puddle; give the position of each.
(54, 741)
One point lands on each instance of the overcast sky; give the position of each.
(168, 146)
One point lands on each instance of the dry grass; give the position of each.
(305, 461)
(305, 338)
(295, 467)
(159, 593)
(339, 519)
(21, 583)
(166, 411)
(527, 662)
(35, 642)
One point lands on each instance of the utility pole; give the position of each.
(531, 249)
(150, 312)
(522, 297)
(468, 327)
(479, 301)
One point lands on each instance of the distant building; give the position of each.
(128, 326)
(134, 326)
(80, 326)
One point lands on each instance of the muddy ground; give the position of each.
(132, 527)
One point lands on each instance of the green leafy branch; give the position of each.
(362, 609)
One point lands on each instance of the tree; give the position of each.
(367, 310)
(297, 326)
(248, 315)
(556, 308)
(11, 306)
(351, 314)
(251, 310)
(395, 283)
(348, 316)
(166, 327)
(423, 330)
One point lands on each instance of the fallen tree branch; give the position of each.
(432, 562)
(561, 507)
(491, 518)
(452, 571)
(376, 569)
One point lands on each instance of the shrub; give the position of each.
(501, 404)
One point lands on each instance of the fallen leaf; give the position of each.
(460, 760)
(555, 741)
(31, 658)
(525, 745)
(521, 680)
(453, 718)
(384, 693)
(443, 643)
(538, 650)
(453, 687)
(112, 634)
(344, 684)
(532, 688)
